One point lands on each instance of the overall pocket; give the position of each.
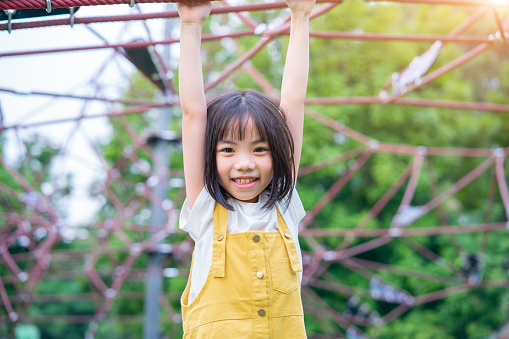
(284, 279)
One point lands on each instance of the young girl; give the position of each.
(241, 155)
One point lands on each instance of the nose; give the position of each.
(244, 162)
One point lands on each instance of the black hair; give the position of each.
(228, 114)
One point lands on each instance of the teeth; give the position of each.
(244, 181)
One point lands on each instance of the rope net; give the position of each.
(104, 262)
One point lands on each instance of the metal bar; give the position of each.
(133, 275)
(471, 176)
(476, 106)
(405, 272)
(325, 309)
(361, 248)
(446, 68)
(81, 319)
(430, 255)
(442, 215)
(154, 281)
(443, 70)
(409, 232)
(502, 184)
(412, 183)
(352, 153)
(76, 297)
(396, 312)
(5, 298)
(453, 34)
(115, 287)
(245, 19)
(135, 44)
(377, 208)
(131, 110)
(500, 25)
(398, 37)
(381, 147)
(334, 190)
(247, 56)
(441, 294)
(79, 97)
(338, 126)
(488, 214)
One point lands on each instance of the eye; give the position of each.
(227, 150)
(261, 149)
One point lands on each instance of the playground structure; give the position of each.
(34, 223)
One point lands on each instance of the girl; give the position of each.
(241, 154)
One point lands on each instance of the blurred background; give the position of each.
(403, 171)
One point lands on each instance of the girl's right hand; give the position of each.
(302, 6)
(194, 12)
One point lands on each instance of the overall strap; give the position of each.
(291, 248)
(219, 240)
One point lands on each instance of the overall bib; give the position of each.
(252, 289)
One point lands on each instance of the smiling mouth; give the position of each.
(244, 181)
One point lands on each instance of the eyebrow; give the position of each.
(231, 142)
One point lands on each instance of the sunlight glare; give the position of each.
(500, 2)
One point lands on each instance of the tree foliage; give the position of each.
(341, 68)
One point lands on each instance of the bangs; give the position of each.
(234, 124)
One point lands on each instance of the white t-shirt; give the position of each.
(199, 223)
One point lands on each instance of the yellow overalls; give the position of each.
(253, 287)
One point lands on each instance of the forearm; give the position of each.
(295, 76)
(191, 89)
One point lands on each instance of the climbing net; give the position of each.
(111, 259)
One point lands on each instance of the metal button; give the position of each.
(220, 237)
(288, 235)
(261, 312)
(275, 225)
(259, 274)
(256, 238)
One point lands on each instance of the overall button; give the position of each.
(220, 237)
(259, 274)
(256, 238)
(275, 225)
(288, 235)
(261, 312)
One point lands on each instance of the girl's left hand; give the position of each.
(304, 6)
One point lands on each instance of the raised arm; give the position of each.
(295, 76)
(192, 95)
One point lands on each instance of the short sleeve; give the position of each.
(294, 208)
(297, 207)
(293, 211)
(195, 220)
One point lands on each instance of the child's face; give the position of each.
(244, 166)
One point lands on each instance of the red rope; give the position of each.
(141, 16)
(30, 4)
